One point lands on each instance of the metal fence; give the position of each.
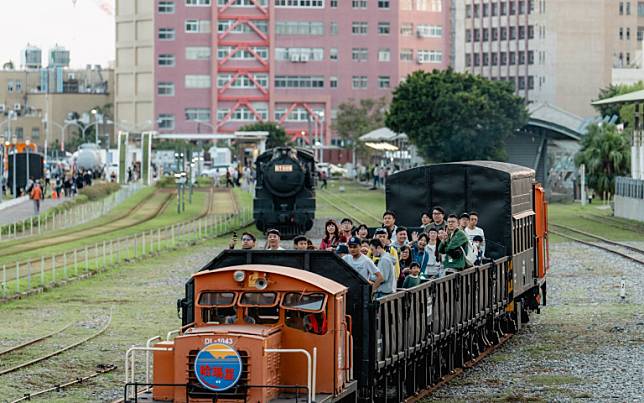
(50, 270)
(629, 187)
(55, 220)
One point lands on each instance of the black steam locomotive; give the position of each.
(285, 195)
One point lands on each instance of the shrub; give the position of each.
(99, 190)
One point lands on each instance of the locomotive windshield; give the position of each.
(217, 298)
(258, 298)
(304, 302)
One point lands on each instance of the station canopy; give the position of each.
(635, 96)
(382, 139)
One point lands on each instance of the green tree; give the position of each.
(277, 136)
(453, 116)
(356, 118)
(606, 153)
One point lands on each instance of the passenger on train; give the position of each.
(425, 221)
(401, 238)
(438, 217)
(248, 241)
(346, 226)
(362, 264)
(389, 223)
(413, 279)
(386, 268)
(362, 232)
(381, 234)
(342, 250)
(331, 236)
(300, 243)
(463, 221)
(273, 240)
(472, 230)
(454, 245)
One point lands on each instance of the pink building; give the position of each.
(222, 64)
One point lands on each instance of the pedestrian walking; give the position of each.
(36, 196)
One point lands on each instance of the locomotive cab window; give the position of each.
(218, 307)
(260, 307)
(306, 312)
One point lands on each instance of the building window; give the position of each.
(360, 54)
(628, 33)
(530, 82)
(299, 54)
(384, 28)
(513, 33)
(521, 7)
(504, 8)
(384, 55)
(406, 55)
(468, 35)
(522, 32)
(477, 35)
(530, 57)
(621, 33)
(521, 57)
(486, 59)
(260, 51)
(299, 3)
(165, 89)
(334, 3)
(197, 81)
(198, 114)
(429, 56)
(486, 34)
(166, 7)
(494, 59)
(621, 8)
(494, 33)
(20, 133)
(334, 28)
(359, 28)
(384, 82)
(477, 59)
(437, 6)
(359, 82)
(530, 31)
(299, 28)
(468, 60)
(197, 3)
(166, 60)
(198, 53)
(333, 54)
(166, 121)
(333, 82)
(522, 83)
(166, 34)
(243, 3)
(359, 4)
(429, 31)
(242, 81)
(504, 33)
(513, 58)
(18, 86)
(197, 26)
(299, 82)
(35, 133)
(241, 28)
(384, 4)
(468, 11)
(486, 9)
(406, 29)
(494, 9)
(503, 59)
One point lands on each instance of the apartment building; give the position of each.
(559, 52)
(223, 64)
(32, 98)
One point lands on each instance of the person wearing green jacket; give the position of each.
(453, 245)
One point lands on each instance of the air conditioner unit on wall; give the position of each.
(304, 58)
(17, 107)
(295, 58)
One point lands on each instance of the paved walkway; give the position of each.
(25, 210)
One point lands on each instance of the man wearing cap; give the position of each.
(273, 240)
(362, 264)
(248, 241)
(463, 221)
(300, 243)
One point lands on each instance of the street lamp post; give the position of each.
(94, 112)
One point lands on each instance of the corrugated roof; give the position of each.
(635, 96)
(546, 115)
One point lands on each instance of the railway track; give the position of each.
(54, 353)
(118, 224)
(616, 223)
(328, 198)
(33, 341)
(626, 251)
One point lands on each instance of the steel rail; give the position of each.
(594, 245)
(458, 371)
(33, 341)
(101, 369)
(57, 352)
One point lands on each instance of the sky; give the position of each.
(84, 27)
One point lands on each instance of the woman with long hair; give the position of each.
(405, 258)
(331, 236)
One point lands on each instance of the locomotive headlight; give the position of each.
(239, 276)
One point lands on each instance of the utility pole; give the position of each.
(582, 172)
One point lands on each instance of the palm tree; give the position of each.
(606, 154)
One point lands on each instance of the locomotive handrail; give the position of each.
(311, 374)
(147, 357)
(130, 355)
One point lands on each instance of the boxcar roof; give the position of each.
(515, 171)
(316, 280)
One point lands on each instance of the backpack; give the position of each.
(470, 256)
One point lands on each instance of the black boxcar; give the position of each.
(23, 171)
